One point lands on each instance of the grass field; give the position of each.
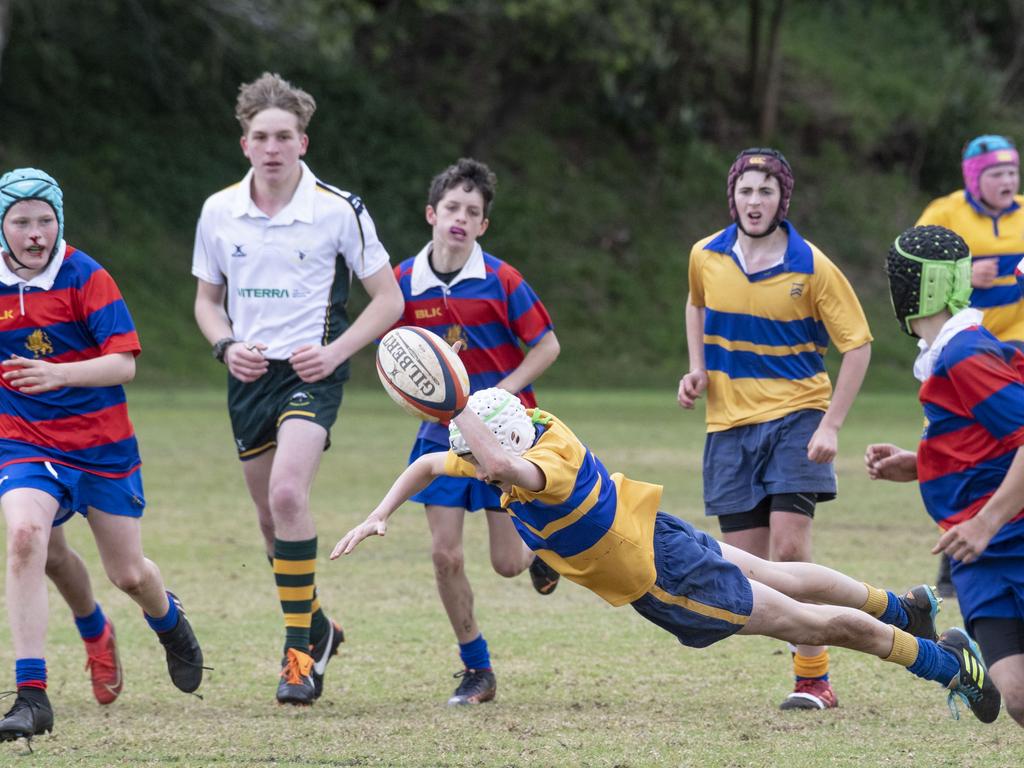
(580, 683)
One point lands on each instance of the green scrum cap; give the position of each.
(929, 270)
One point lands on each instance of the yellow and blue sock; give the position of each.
(924, 658)
(886, 607)
(295, 574)
(474, 654)
(30, 673)
(90, 627)
(164, 623)
(811, 667)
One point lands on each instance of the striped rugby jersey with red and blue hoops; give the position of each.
(974, 412)
(492, 314)
(80, 317)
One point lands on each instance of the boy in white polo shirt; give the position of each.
(281, 247)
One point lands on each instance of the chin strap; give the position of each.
(770, 230)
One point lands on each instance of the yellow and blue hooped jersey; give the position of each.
(1000, 237)
(593, 527)
(766, 334)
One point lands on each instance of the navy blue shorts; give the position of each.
(993, 585)
(459, 492)
(76, 490)
(698, 595)
(745, 464)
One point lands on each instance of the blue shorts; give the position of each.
(698, 595)
(992, 586)
(460, 492)
(745, 464)
(76, 490)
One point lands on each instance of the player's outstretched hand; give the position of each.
(33, 376)
(885, 461)
(245, 360)
(372, 526)
(313, 362)
(690, 388)
(965, 541)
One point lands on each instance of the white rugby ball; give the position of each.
(422, 373)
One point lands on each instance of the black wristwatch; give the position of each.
(221, 348)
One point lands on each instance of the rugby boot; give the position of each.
(477, 686)
(811, 694)
(972, 686)
(184, 656)
(296, 684)
(544, 577)
(921, 604)
(30, 716)
(321, 652)
(104, 665)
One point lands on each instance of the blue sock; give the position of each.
(30, 673)
(894, 613)
(90, 627)
(474, 654)
(934, 663)
(167, 622)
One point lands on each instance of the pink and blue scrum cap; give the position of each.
(982, 153)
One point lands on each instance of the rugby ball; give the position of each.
(422, 373)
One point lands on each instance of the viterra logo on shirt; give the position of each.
(263, 293)
(38, 343)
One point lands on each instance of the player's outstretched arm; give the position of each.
(494, 463)
(885, 461)
(414, 479)
(969, 539)
(35, 376)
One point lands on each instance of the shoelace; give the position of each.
(103, 661)
(24, 703)
(973, 694)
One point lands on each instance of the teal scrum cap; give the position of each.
(31, 184)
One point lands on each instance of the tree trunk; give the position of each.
(754, 71)
(5, 19)
(770, 101)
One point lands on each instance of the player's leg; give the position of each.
(67, 571)
(118, 535)
(300, 446)
(478, 683)
(256, 472)
(29, 514)
(509, 554)
(1002, 644)
(954, 661)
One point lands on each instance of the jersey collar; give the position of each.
(929, 355)
(979, 209)
(423, 277)
(44, 279)
(798, 257)
(300, 208)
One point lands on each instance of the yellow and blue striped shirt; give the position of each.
(989, 236)
(766, 334)
(592, 527)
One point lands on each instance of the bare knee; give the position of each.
(1013, 702)
(448, 563)
(506, 567)
(788, 551)
(287, 500)
(25, 541)
(130, 580)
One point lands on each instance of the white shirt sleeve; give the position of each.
(364, 252)
(204, 253)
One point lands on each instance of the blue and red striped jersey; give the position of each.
(974, 413)
(80, 316)
(488, 305)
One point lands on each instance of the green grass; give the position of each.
(580, 683)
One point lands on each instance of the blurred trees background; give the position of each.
(611, 126)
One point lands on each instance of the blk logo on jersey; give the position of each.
(38, 343)
(7, 314)
(426, 314)
(238, 253)
(796, 290)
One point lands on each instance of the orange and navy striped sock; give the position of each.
(295, 574)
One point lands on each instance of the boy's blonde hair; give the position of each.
(269, 91)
